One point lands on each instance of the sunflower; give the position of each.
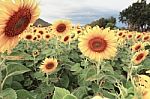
(47, 36)
(49, 65)
(66, 38)
(28, 36)
(139, 56)
(87, 28)
(98, 44)
(39, 25)
(15, 17)
(142, 81)
(129, 35)
(79, 31)
(35, 38)
(61, 27)
(120, 33)
(146, 38)
(137, 46)
(78, 26)
(39, 36)
(35, 53)
(143, 85)
(138, 36)
(34, 30)
(41, 31)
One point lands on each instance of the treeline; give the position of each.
(104, 22)
(137, 16)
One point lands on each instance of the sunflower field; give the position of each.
(66, 61)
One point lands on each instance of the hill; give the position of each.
(42, 22)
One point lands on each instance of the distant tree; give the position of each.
(112, 20)
(136, 16)
(111, 25)
(104, 22)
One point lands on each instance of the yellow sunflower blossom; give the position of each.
(15, 17)
(49, 65)
(98, 44)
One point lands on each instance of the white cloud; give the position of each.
(55, 9)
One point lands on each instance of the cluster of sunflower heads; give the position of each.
(137, 42)
(62, 30)
(142, 86)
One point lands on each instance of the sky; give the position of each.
(81, 11)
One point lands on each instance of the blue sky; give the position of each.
(81, 11)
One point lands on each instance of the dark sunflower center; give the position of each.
(18, 22)
(34, 38)
(138, 47)
(35, 53)
(78, 31)
(41, 32)
(138, 36)
(34, 30)
(47, 36)
(29, 37)
(66, 38)
(49, 65)
(146, 38)
(120, 33)
(97, 44)
(61, 28)
(124, 36)
(39, 36)
(129, 36)
(140, 56)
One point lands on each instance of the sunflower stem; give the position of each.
(98, 70)
(130, 72)
(47, 78)
(3, 82)
(34, 63)
(56, 46)
(69, 45)
(3, 60)
(27, 45)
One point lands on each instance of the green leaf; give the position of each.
(69, 96)
(76, 68)
(16, 85)
(91, 74)
(80, 92)
(8, 94)
(23, 55)
(44, 88)
(146, 62)
(59, 93)
(23, 94)
(28, 82)
(64, 81)
(108, 67)
(39, 75)
(16, 69)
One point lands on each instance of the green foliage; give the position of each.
(23, 94)
(69, 96)
(136, 16)
(104, 22)
(16, 69)
(8, 94)
(76, 76)
(61, 93)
